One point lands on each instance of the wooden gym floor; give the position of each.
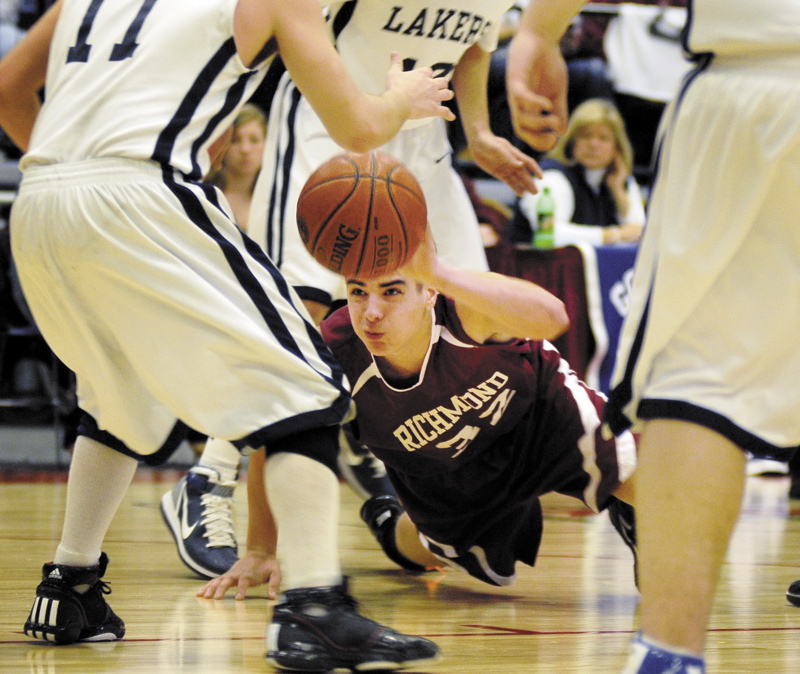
(574, 612)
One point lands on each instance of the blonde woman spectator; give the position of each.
(242, 162)
(588, 172)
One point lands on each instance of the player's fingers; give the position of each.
(446, 113)
(530, 164)
(526, 183)
(537, 121)
(274, 584)
(444, 93)
(204, 592)
(207, 591)
(539, 138)
(521, 181)
(540, 122)
(447, 92)
(222, 587)
(514, 168)
(242, 587)
(526, 102)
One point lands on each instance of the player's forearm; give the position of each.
(508, 306)
(380, 121)
(262, 533)
(357, 121)
(22, 75)
(17, 118)
(469, 83)
(549, 19)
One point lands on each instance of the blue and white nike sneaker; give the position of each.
(199, 514)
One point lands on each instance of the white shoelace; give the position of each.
(218, 521)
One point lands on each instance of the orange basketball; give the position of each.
(362, 215)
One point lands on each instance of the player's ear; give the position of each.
(432, 294)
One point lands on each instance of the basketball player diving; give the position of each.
(475, 416)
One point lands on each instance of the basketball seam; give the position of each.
(389, 185)
(368, 224)
(341, 205)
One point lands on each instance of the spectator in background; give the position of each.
(241, 163)
(597, 200)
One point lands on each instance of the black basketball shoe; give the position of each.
(319, 629)
(623, 517)
(70, 607)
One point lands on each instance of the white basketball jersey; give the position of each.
(425, 34)
(728, 27)
(168, 111)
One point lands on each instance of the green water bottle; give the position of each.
(544, 236)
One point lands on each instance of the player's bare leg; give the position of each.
(627, 490)
(690, 482)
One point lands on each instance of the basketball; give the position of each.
(362, 215)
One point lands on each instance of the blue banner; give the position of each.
(615, 275)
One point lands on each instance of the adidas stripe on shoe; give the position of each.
(69, 606)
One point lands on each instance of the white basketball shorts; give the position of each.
(713, 329)
(165, 311)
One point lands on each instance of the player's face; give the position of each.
(595, 146)
(392, 316)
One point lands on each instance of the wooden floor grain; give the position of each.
(575, 612)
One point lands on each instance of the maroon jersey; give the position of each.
(467, 398)
(473, 443)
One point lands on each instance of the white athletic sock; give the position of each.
(304, 497)
(99, 477)
(223, 457)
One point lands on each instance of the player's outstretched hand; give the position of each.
(536, 80)
(253, 569)
(427, 92)
(503, 161)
